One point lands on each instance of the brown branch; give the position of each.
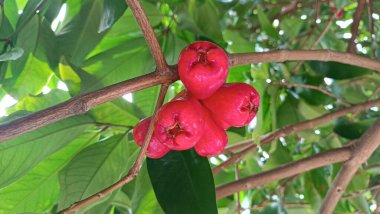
(149, 34)
(355, 26)
(291, 169)
(314, 87)
(79, 105)
(304, 55)
(371, 25)
(134, 170)
(363, 149)
(356, 194)
(308, 124)
(237, 177)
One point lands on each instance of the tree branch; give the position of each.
(356, 194)
(291, 169)
(87, 101)
(364, 148)
(79, 105)
(308, 124)
(314, 87)
(149, 34)
(304, 55)
(355, 26)
(134, 170)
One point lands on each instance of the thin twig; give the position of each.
(355, 26)
(304, 55)
(149, 34)
(356, 194)
(134, 170)
(291, 169)
(312, 87)
(237, 177)
(81, 104)
(308, 124)
(363, 149)
(371, 25)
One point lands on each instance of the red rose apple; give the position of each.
(203, 68)
(155, 148)
(213, 140)
(180, 124)
(234, 104)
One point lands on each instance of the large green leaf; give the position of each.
(117, 112)
(115, 65)
(338, 70)
(42, 101)
(39, 190)
(95, 168)
(205, 16)
(183, 183)
(18, 156)
(78, 37)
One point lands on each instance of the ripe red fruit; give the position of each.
(203, 68)
(180, 124)
(155, 148)
(234, 104)
(339, 15)
(213, 140)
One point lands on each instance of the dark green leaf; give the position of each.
(183, 183)
(337, 70)
(352, 130)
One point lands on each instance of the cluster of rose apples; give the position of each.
(200, 115)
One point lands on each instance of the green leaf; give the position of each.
(183, 183)
(278, 156)
(338, 70)
(144, 200)
(116, 112)
(31, 80)
(311, 96)
(266, 24)
(12, 54)
(287, 112)
(126, 28)
(39, 102)
(39, 190)
(11, 12)
(78, 37)
(126, 61)
(205, 16)
(18, 156)
(95, 168)
(352, 130)
(291, 26)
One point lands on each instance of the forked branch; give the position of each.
(364, 148)
(135, 169)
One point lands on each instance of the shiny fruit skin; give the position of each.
(155, 149)
(213, 140)
(180, 124)
(203, 68)
(234, 104)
